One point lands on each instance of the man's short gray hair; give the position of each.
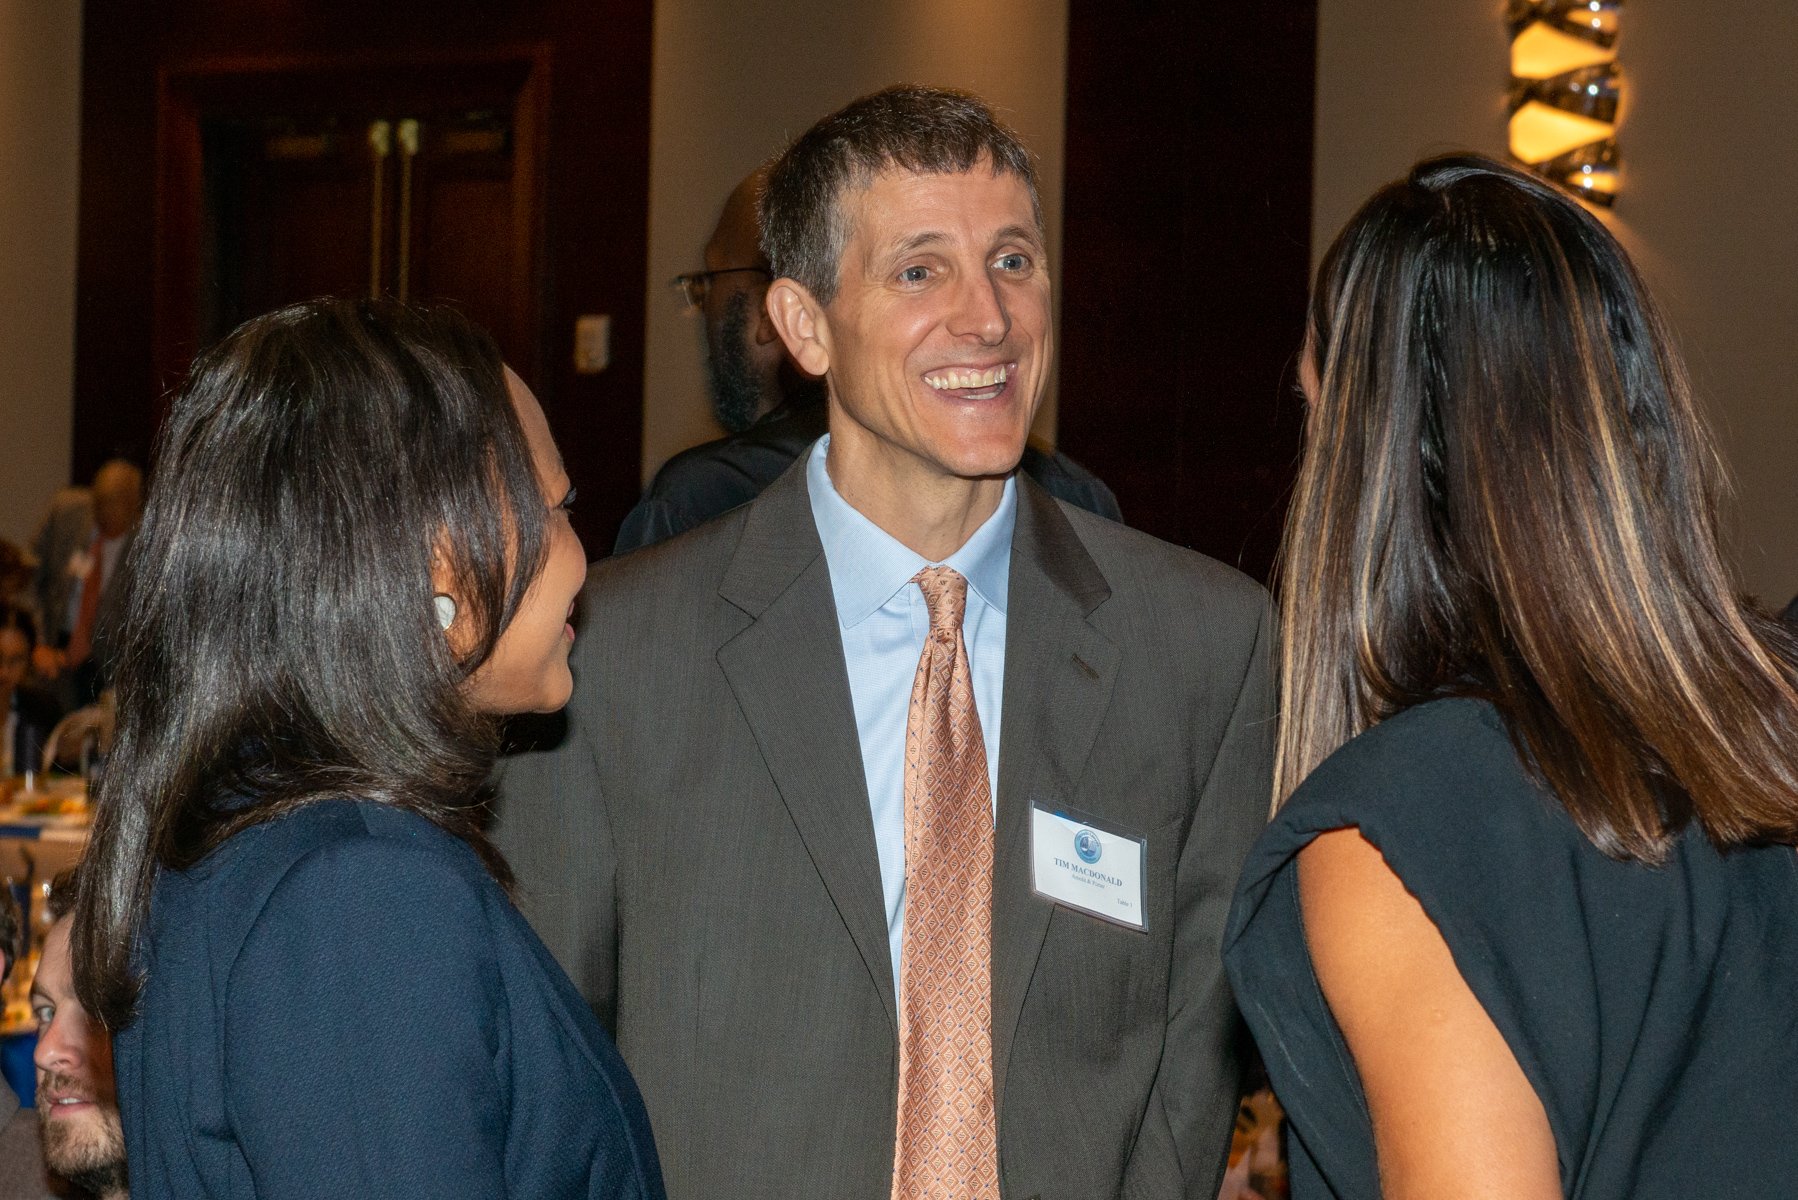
(924, 130)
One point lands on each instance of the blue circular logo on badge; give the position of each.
(1088, 846)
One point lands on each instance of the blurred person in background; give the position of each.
(27, 714)
(748, 371)
(18, 575)
(772, 408)
(80, 548)
(1526, 922)
(356, 560)
(77, 1105)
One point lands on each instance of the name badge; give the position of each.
(1084, 865)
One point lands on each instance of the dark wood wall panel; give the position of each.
(1185, 258)
(134, 259)
(116, 391)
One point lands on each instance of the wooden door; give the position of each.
(300, 186)
(286, 216)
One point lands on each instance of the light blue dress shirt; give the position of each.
(884, 620)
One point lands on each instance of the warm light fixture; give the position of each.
(1565, 87)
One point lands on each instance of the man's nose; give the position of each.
(56, 1049)
(980, 310)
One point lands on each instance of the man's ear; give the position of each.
(800, 321)
(764, 332)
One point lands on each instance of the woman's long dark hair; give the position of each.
(279, 644)
(1508, 492)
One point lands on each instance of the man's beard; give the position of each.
(88, 1154)
(736, 388)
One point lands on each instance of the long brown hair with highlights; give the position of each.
(1508, 493)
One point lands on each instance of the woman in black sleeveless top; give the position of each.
(1526, 923)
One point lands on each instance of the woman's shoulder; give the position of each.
(343, 825)
(343, 854)
(1454, 734)
(1439, 788)
(1446, 761)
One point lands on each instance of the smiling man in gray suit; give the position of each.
(897, 813)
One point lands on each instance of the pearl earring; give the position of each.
(446, 610)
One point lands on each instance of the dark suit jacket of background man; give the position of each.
(699, 853)
(711, 479)
(38, 713)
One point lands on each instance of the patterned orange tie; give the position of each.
(948, 1140)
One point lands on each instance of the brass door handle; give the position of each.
(380, 145)
(408, 138)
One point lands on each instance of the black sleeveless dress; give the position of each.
(1654, 1009)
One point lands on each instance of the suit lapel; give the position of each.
(787, 672)
(1059, 673)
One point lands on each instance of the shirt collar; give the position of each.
(868, 565)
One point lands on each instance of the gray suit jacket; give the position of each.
(67, 527)
(697, 849)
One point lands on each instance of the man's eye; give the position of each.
(914, 275)
(1013, 263)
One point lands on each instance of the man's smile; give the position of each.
(972, 382)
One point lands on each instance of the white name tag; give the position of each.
(1098, 871)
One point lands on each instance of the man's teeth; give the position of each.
(965, 377)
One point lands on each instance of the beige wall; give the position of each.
(40, 114)
(733, 79)
(1709, 207)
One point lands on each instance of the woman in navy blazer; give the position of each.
(355, 560)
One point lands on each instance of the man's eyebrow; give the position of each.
(1020, 233)
(916, 241)
(931, 237)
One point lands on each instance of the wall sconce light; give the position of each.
(1565, 88)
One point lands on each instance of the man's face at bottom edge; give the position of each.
(78, 1110)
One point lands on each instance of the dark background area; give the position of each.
(1185, 255)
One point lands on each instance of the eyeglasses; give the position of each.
(696, 285)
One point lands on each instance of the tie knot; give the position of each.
(946, 592)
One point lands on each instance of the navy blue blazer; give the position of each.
(342, 1002)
